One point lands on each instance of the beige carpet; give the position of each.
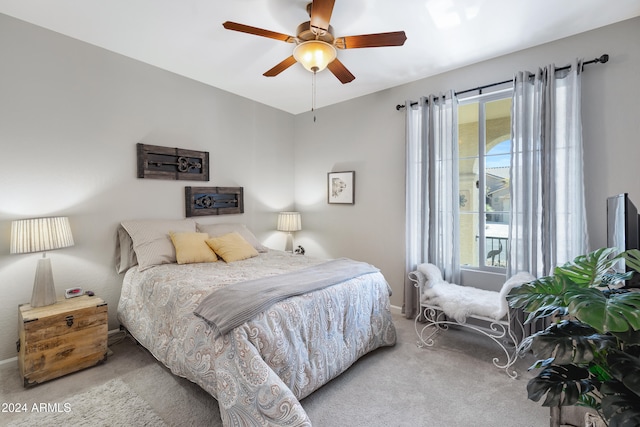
(88, 409)
(452, 385)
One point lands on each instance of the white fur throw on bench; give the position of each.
(460, 302)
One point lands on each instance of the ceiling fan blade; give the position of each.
(281, 67)
(340, 71)
(258, 31)
(396, 38)
(321, 14)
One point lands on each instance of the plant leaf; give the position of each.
(540, 298)
(546, 311)
(563, 385)
(570, 342)
(632, 259)
(588, 270)
(618, 312)
(619, 405)
(609, 279)
(542, 363)
(625, 368)
(629, 337)
(589, 401)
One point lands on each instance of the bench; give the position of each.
(443, 304)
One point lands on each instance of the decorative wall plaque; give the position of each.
(172, 163)
(201, 201)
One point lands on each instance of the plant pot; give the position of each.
(575, 416)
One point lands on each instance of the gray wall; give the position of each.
(70, 117)
(367, 135)
(71, 114)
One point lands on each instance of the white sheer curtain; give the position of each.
(548, 216)
(432, 196)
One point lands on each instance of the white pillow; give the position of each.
(125, 254)
(217, 230)
(432, 273)
(515, 280)
(151, 240)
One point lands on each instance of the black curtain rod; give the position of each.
(602, 59)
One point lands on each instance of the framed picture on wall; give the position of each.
(341, 187)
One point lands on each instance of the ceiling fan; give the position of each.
(316, 45)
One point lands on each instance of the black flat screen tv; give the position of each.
(622, 228)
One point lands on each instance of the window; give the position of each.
(484, 130)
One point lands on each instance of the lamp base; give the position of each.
(44, 293)
(289, 245)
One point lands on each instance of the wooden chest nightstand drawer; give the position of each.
(61, 338)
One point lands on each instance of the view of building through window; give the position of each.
(484, 152)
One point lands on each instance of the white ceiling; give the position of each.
(187, 37)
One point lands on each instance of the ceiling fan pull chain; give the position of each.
(313, 95)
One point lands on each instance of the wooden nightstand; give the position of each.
(61, 338)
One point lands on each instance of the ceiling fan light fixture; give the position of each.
(314, 55)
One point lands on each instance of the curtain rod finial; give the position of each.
(604, 58)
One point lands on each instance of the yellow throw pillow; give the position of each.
(191, 247)
(232, 247)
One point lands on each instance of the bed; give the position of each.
(261, 368)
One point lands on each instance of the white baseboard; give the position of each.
(11, 360)
(396, 310)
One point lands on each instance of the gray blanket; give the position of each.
(231, 306)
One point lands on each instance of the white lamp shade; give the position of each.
(40, 234)
(289, 221)
(314, 55)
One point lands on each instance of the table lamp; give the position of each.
(41, 235)
(289, 221)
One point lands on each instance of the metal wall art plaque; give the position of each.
(201, 201)
(172, 163)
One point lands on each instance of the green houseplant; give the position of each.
(590, 353)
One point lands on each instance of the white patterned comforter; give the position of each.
(259, 371)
